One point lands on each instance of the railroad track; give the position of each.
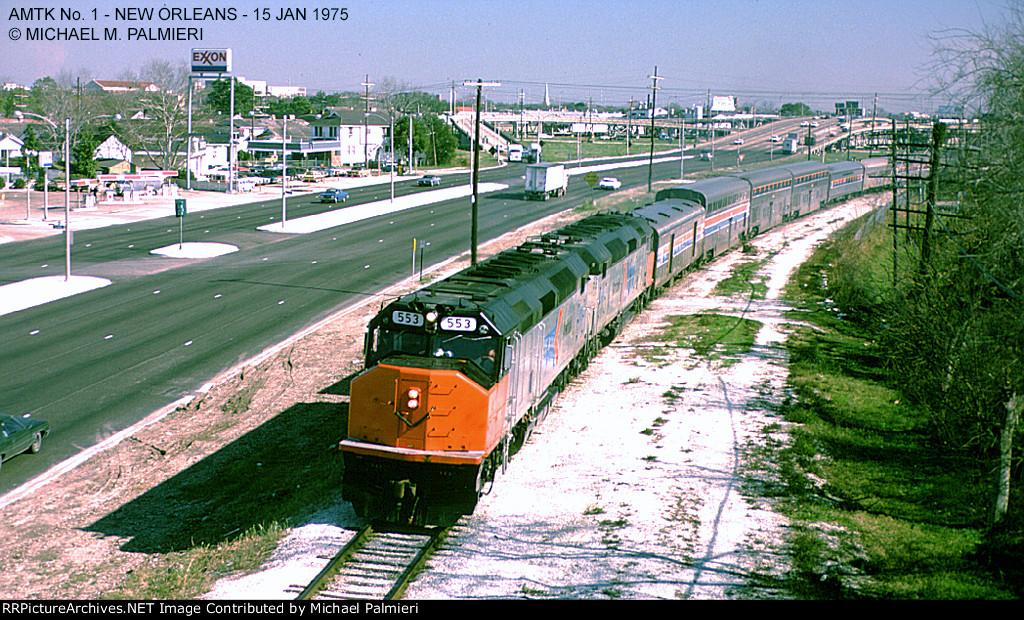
(377, 564)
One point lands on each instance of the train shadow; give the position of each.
(281, 472)
(341, 388)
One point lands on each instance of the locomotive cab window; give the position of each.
(386, 342)
(478, 350)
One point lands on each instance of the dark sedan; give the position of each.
(334, 195)
(20, 435)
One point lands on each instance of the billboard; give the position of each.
(211, 60)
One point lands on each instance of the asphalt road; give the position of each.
(98, 362)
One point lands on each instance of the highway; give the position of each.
(98, 362)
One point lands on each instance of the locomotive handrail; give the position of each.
(407, 422)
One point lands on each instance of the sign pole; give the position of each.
(180, 211)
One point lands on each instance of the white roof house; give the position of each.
(112, 148)
(10, 146)
(119, 86)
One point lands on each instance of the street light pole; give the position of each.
(284, 171)
(67, 178)
(67, 199)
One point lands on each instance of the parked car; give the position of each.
(609, 183)
(430, 180)
(20, 435)
(334, 195)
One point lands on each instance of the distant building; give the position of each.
(259, 87)
(694, 113)
(359, 138)
(286, 92)
(648, 112)
(951, 112)
(113, 166)
(10, 146)
(112, 149)
(334, 137)
(721, 104)
(120, 86)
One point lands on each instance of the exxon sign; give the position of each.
(211, 61)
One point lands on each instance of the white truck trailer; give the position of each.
(544, 180)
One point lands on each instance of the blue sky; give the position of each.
(604, 50)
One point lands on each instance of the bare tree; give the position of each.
(957, 340)
(155, 118)
(61, 99)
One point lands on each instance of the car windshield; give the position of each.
(11, 425)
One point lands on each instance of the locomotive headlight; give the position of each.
(431, 316)
(414, 398)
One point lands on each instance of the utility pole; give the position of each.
(629, 124)
(476, 162)
(906, 153)
(590, 115)
(654, 96)
(938, 137)
(366, 129)
(522, 102)
(872, 139)
(895, 197)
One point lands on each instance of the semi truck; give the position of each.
(544, 180)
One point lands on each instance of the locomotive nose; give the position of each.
(428, 409)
